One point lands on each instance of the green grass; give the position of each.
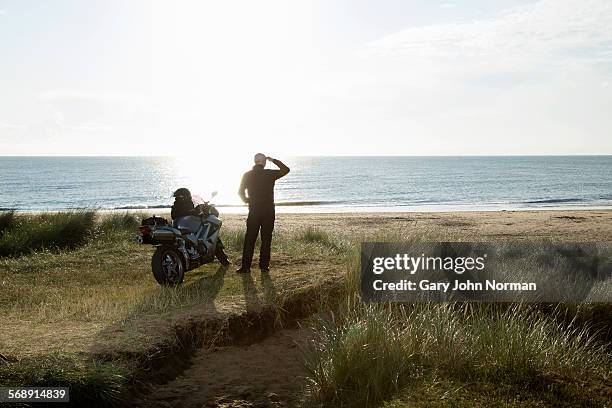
(360, 360)
(120, 223)
(91, 383)
(366, 354)
(7, 219)
(438, 391)
(22, 234)
(371, 353)
(233, 239)
(317, 236)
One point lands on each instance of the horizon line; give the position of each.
(329, 155)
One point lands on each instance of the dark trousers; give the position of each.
(259, 218)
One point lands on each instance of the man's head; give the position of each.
(260, 159)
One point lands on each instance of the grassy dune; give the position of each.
(457, 354)
(20, 234)
(375, 353)
(88, 312)
(79, 306)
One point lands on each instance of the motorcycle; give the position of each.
(185, 244)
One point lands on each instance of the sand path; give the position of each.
(264, 374)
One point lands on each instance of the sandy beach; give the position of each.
(567, 225)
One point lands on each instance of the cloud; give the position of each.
(529, 80)
(556, 33)
(2, 12)
(548, 49)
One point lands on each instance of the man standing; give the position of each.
(259, 184)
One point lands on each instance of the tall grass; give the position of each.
(317, 236)
(7, 220)
(26, 233)
(120, 222)
(233, 238)
(366, 356)
(91, 384)
(359, 361)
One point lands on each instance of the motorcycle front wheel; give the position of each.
(167, 265)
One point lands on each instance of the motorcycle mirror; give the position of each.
(214, 194)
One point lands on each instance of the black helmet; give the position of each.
(182, 193)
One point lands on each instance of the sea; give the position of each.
(315, 184)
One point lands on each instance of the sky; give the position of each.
(320, 77)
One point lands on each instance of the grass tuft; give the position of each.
(92, 384)
(120, 222)
(233, 238)
(29, 233)
(7, 220)
(372, 351)
(316, 236)
(358, 363)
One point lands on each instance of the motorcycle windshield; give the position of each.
(197, 200)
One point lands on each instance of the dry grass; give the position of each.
(98, 300)
(71, 296)
(370, 353)
(366, 354)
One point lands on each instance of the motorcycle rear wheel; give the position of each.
(168, 267)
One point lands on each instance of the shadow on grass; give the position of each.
(251, 299)
(155, 316)
(269, 290)
(155, 340)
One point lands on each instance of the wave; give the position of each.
(141, 207)
(307, 203)
(556, 201)
(278, 204)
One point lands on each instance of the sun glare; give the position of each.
(203, 174)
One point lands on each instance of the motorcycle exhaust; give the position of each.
(164, 235)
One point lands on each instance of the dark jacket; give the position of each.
(259, 183)
(181, 208)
